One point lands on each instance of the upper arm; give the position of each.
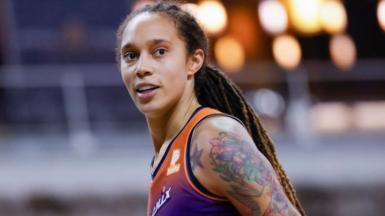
(226, 161)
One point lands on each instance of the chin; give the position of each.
(150, 109)
(153, 109)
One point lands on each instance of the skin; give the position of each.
(223, 156)
(153, 52)
(232, 167)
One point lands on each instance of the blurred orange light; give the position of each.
(273, 16)
(212, 15)
(242, 27)
(229, 54)
(342, 51)
(305, 15)
(287, 51)
(333, 17)
(381, 14)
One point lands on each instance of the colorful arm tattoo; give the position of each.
(249, 177)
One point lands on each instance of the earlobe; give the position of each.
(195, 61)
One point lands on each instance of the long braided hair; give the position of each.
(213, 88)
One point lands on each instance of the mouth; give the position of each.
(146, 89)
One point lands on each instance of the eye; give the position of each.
(160, 52)
(130, 56)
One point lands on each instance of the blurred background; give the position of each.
(73, 143)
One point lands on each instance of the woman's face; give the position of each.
(154, 66)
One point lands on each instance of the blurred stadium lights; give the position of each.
(369, 116)
(212, 15)
(268, 102)
(232, 53)
(229, 54)
(340, 117)
(287, 51)
(273, 16)
(333, 17)
(242, 26)
(381, 14)
(68, 125)
(332, 117)
(343, 51)
(304, 15)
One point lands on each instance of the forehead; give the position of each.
(147, 27)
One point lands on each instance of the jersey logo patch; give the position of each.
(174, 166)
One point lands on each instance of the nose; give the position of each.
(143, 67)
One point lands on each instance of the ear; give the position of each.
(195, 62)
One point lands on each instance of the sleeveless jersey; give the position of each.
(174, 190)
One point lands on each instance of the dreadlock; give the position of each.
(214, 89)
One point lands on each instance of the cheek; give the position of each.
(127, 80)
(178, 71)
(176, 81)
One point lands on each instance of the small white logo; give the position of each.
(174, 166)
(164, 197)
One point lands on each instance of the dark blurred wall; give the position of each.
(2, 48)
(365, 29)
(68, 32)
(2, 31)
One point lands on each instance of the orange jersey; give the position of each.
(174, 190)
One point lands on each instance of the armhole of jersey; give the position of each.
(194, 182)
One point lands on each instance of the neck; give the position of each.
(165, 127)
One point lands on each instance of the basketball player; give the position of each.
(212, 155)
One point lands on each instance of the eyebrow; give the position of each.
(152, 42)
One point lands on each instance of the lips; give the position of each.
(145, 91)
(143, 87)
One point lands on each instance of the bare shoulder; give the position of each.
(213, 125)
(222, 131)
(207, 135)
(226, 161)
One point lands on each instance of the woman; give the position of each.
(212, 156)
